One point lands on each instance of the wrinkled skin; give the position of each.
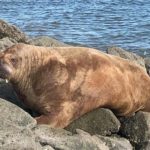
(64, 83)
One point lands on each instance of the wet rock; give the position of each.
(46, 41)
(116, 143)
(6, 43)
(147, 64)
(11, 31)
(137, 129)
(126, 55)
(100, 121)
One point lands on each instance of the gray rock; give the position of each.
(147, 64)
(7, 30)
(13, 115)
(137, 129)
(126, 55)
(100, 121)
(116, 143)
(46, 41)
(15, 128)
(18, 130)
(63, 140)
(15, 138)
(6, 43)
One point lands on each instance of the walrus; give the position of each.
(63, 83)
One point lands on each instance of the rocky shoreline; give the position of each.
(97, 130)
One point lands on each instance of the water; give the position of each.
(97, 23)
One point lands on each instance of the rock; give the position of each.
(6, 43)
(13, 115)
(126, 55)
(147, 64)
(47, 147)
(15, 138)
(18, 130)
(100, 121)
(63, 140)
(137, 129)
(15, 128)
(11, 31)
(46, 41)
(116, 143)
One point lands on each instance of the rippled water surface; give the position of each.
(97, 23)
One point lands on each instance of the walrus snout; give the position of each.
(5, 68)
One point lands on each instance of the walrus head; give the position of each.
(8, 63)
(20, 60)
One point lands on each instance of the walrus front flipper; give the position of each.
(53, 121)
(58, 118)
(43, 119)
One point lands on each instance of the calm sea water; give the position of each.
(95, 23)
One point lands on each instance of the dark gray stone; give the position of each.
(137, 129)
(100, 121)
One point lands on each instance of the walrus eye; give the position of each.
(14, 62)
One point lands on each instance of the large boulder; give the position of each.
(11, 31)
(18, 130)
(12, 115)
(46, 41)
(137, 129)
(126, 55)
(61, 139)
(100, 121)
(147, 64)
(15, 128)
